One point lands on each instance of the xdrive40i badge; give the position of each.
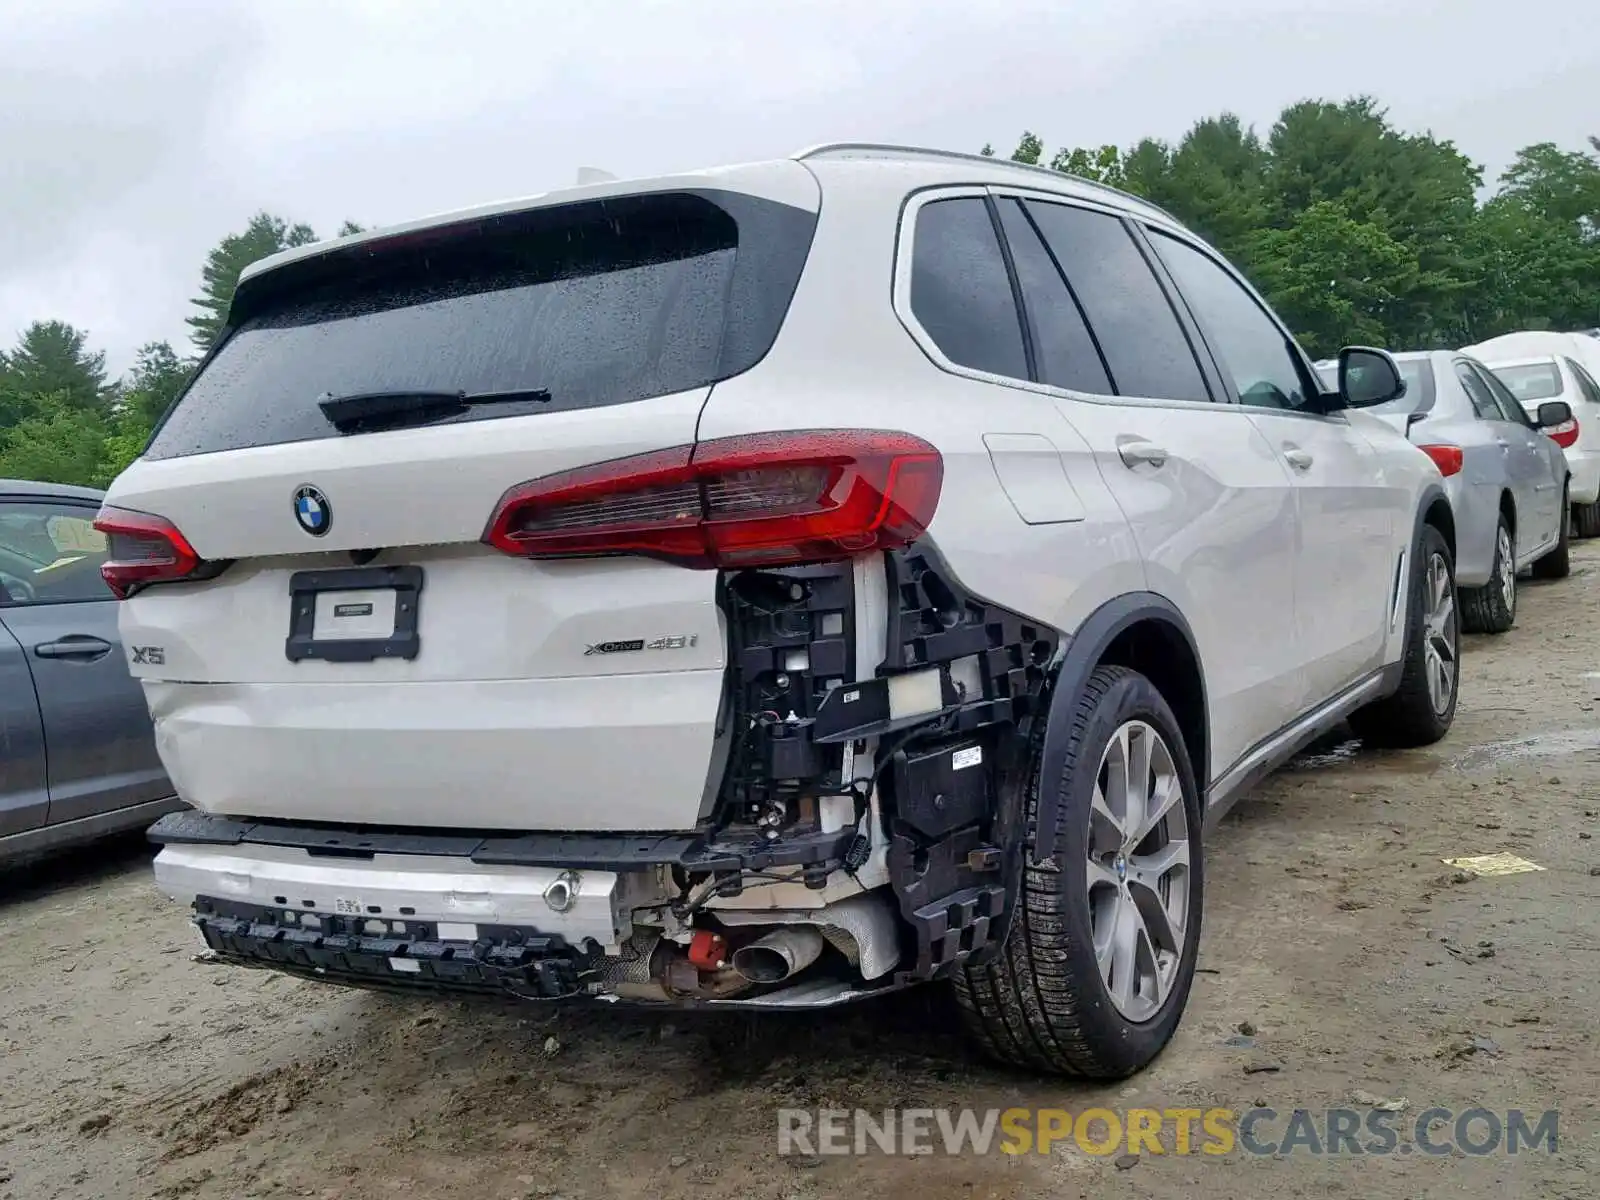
(677, 641)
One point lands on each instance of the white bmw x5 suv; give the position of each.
(769, 586)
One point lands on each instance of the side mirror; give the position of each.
(1553, 413)
(1368, 376)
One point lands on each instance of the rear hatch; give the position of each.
(350, 648)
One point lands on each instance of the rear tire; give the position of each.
(1492, 608)
(1417, 714)
(1045, 1003)
(1558, 563)
(1586, 519)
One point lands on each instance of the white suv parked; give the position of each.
(767, 586)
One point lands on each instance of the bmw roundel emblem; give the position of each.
(312, 511)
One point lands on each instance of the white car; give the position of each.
(767, 586)
(1542, 367)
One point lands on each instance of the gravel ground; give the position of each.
(1357, 960)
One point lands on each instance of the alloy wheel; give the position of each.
(1138, 870)
(1441, 642)
(1507, 577)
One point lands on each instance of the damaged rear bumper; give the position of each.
(449, 913)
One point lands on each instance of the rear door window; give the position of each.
(598, 303)
(1503, 399)
(960, 290)
(1064, 350)
(1483, 402)
(1145, 348)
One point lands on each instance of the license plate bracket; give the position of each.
(365, 594)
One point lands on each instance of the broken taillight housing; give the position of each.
(757, 500)
(142, 548)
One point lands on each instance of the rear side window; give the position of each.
(599, 303)
(1065, 355)
(1145, 348)
(960, 290)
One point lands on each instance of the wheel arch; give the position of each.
(1434, 509)
(1145, 632)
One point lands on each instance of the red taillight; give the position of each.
(764, 499)
(142, 548)
(1446, 458)
(1564, 434)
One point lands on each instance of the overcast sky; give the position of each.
(136, 133)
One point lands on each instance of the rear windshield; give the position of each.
(598, 303)
(1418, 374)
(1532, 381)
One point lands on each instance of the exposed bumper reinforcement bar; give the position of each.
(607, 851)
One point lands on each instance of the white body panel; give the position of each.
(502, 721)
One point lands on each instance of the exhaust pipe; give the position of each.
(779, 954)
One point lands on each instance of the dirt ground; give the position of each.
(1332, 927)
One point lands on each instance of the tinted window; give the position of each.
(1144, 346)
(1586, 384)
(960, 290)
(1478, 392)
(1064, 352)
(1509, 408)
(600, 303)
(1255, 353)
(1531, 381)
(50, 553)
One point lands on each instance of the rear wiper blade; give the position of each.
(391, 410)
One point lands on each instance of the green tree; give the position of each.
(1103, 164)
(1334, 279)
(157, 377)
(52, 357)
(1561, 185)
(60, 442)
(265, 235)
(1029, 149)
(153, 383)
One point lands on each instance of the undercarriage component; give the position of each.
(864, 928)
(774, 957)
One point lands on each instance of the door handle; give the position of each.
(74, 645)
(1297, 458)
(1137, 452)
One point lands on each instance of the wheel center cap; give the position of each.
(1120, 866)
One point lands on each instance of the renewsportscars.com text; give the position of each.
(1177, 1131)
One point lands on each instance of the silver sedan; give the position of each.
(1505, 472)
